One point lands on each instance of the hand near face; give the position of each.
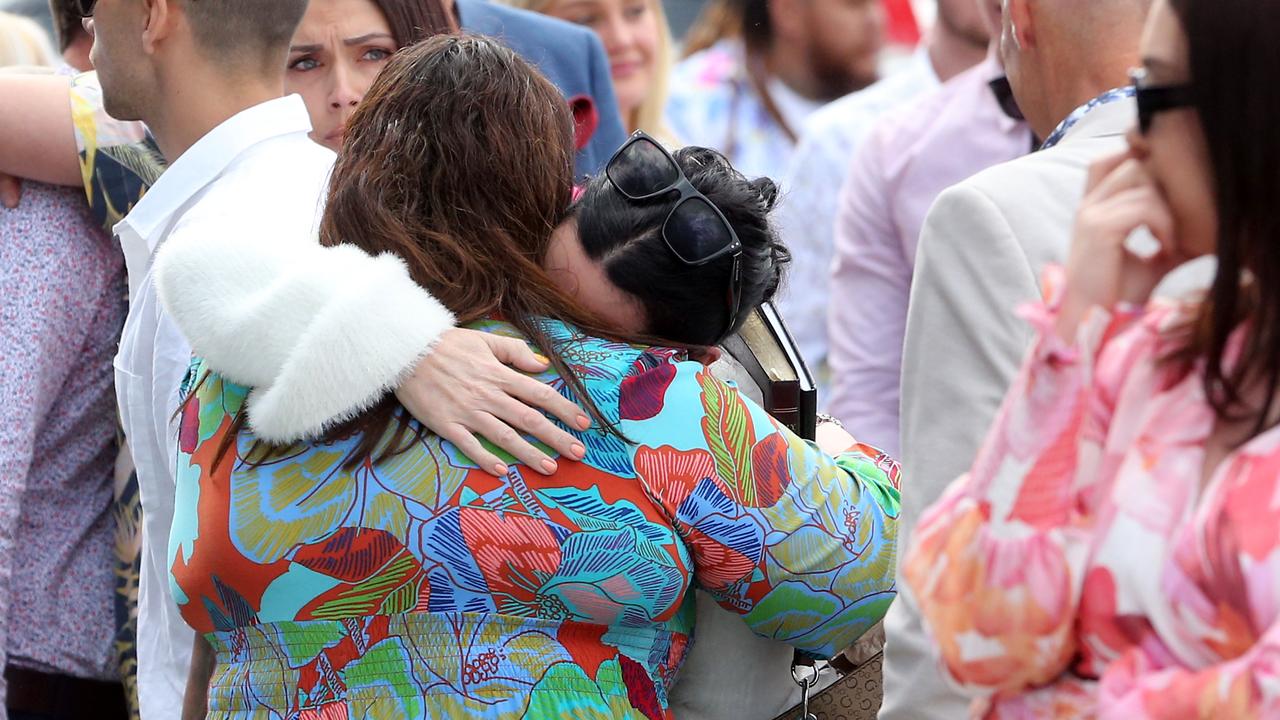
(1104, 268)
(467, 387)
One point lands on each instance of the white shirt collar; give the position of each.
(212, 154)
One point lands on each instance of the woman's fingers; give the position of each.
(1136, 208)
(515, 353)
(531, 422)
(10, 191)
(1128, 174)
(1101, 168)
(541, 395)
(463, 389)
(470, 446)
(509, 439)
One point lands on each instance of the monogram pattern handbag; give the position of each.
(857, 692)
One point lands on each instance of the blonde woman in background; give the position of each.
(638, 40)
(24, 43)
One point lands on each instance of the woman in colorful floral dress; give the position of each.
(1115, 551)
(377, 572)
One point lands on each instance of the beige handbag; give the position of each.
(855, 695)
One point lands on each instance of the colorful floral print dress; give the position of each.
(1080, 570)
(424, 587)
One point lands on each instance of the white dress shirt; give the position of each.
(806, 217)
(257, 167)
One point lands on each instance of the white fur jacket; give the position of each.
(320, 333)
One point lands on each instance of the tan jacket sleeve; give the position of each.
(964, 345)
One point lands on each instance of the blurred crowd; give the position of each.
(363, 358)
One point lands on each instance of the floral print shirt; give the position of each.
(422, 586)
(119, 160)
(1079, 570)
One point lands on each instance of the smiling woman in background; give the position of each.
(636, 36)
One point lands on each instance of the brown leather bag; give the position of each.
(856, 694)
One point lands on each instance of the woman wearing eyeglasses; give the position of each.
(378, 572)
(1134, 573)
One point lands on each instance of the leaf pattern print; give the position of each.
(421, 586)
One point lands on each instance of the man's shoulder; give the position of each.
(1054, 177)
(280, 183)
(914, 118)
(1031, 200)
(293, 159)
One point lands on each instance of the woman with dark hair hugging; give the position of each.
(376, 571)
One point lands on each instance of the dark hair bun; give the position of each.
(683, 303)
(768, 191)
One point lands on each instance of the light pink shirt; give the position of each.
(913, 154)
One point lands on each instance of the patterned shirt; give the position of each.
(61, 310)
(422, 586)
(1083, 568)
(713, 104)
(1078, 114)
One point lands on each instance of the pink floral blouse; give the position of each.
(1079, 570)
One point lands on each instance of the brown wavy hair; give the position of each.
(412, 21)
(460, 161)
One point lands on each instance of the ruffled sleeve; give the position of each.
(996, 564)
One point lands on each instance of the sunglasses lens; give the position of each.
(696, 233)
(643, 169)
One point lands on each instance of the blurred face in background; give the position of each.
(631, 35)
(338, 50)
(973, 22)
(844, 40)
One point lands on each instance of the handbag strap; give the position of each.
(807, 680)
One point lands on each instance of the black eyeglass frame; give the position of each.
(84, 8)
(1155, 99)
(688, 193)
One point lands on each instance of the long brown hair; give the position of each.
(1232, 43)
(460, 161)
(413, 21)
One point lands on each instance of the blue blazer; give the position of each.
(571, 57)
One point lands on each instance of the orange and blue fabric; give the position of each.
(421, 586)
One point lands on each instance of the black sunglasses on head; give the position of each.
(1156, 99)
(695, 230)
